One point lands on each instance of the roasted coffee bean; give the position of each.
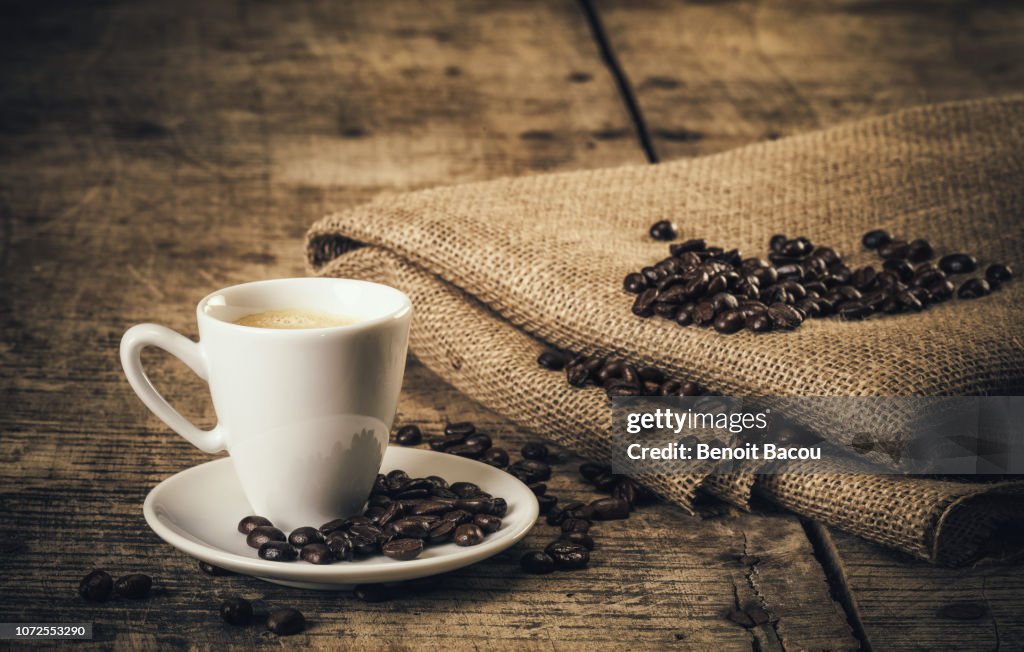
(941, 291)
(909, 300)
(250, 523)
(634, 283)
(538, 488)
(410, 528)
(784, 317)
(537, 563)
(535, 450)
(552, 360)
(379, 500)
(894, 249)
(644, 304)
(568, 555)
(215, 571)
(729, 322)
(605, 482)
(546, 503)
(530, 471)
(236, 611)
(577, 375)
(776, 242)
(396, 479)
(695, 244)
(590, 470)
(286, 621)
(662, 230)
(626, 490)
(609, 509)
(340, 545)
(460, 429)
(475, 505)
(305, 535)
(468, 534)
(997, 274)
(457, 516)
(796, 248)
(433, 507)
(582, 538)
(262, 534)
(479, 439)
(621, 388)
(919, 250)
(336, 524)
(487, 523)
(439, 444)
(652, 275)
(703, 313)
(854, 311)
(441, 532)
(465, 489)
(877, 238)
(958, 263)
(470, 451)
(973, 288)
(496, 457)
(365, 538)
(759, 323)
(317, 553)
(403, 549)
(864, 278)
(498, 507)
(135, 586)
(96, 586)
(573, 524)
(408, 435)
(277, 551)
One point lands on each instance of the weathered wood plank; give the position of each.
(151, 152)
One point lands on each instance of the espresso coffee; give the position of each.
(294, 318)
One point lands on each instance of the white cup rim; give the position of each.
(402, 310)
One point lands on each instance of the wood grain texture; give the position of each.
(708, 77)
(150, 152)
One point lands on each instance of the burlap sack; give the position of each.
(497, 269)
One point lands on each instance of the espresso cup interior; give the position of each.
(358, 301)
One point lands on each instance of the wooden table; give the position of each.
(152, 151)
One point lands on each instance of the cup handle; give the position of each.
(137, 338)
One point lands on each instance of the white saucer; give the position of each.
(197, 511)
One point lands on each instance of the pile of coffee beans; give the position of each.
(99, 586)
(616, 376)
(284, 621)
(706, 285)
(403, 516)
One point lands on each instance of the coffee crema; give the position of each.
(294, 318)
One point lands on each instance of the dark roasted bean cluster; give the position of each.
(284, 621)
(616, 376)
(403, 516)
(709, 286)
(99, 586)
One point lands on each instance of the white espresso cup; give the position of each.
(304, 413)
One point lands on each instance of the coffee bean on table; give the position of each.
(135, 586)
(317, 553)
(460, 428)
(535, 450)
(262, 534)
(644, 304)
(487, 522)
(236, 611)
(305, 535)
(530, 471)
(96, 586)
(634, 283)
(973, 288)
(958, 263)
(286, 621)
(573, 524)
(538, 488)
(919, 250)
(590, 470)
(582, 538)
(537, 563)
(479, 439)
(215, 571)
(608, 509)
(403, 549)
(546, 503)
(997, 274)
(662, 230)
(468, 534)
(250, 523)
(277, 551)
(568, 555)
(408, 435)
(729, 322)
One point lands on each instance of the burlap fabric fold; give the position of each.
(496, 270)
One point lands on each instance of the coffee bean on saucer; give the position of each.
(460, 429)
(457, 516)
(535, 450)
(277, 551)
(608, 509)
(997, 274)
(465, 489)
(317, 553)
(262, 534)
(552, 360)
(403, 549)
(250, 523)
(537, 563)
(96, 586)
(441, 532)
(215, 571)
(662, 230)
(468, 534)
(496, 457)
(372, 592)
(236, 611)
(408, 435)
(974, 288)
(432, 507)
(582, 538)
(305, 535)
(135, 586)
(341, 545)
(286, 621)
(396, 479)
(487, 522)
(411, 528)
(568, 555)
(958, 263)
